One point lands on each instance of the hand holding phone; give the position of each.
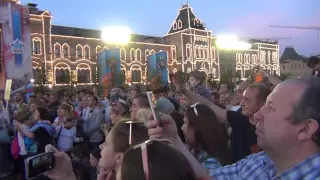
(39, 164)
(149, 94)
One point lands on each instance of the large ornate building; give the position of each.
(69, 51)
(292, 64)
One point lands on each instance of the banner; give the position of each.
(109, 69)
(157, 67)
(16, 44)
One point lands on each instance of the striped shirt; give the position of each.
(260, 166)
(202, 90)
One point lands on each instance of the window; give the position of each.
(283, 67)
(123, 56)
(136, 76)
(83, 76)
(174, 52)
(87, 53)
(37, 74)
(79, 51)
(132, 54)
(189, 51)
(36, 46)
(138, 54)
(204, 53)
(62, 76)
(57, 51)
(65, 51)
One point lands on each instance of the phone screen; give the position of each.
(39, 164)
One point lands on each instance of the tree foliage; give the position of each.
(42, 79)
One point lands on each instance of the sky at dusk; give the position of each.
(244, 18)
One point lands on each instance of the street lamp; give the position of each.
(50, 86)
(116, 35)
(32, 80)
(232, 43)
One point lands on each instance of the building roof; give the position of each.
(94, 33)
(185, 19)
(290, 54)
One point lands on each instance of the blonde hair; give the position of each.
(143, 114)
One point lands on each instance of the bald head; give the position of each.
(243, 85)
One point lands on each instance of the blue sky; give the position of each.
(245, 18)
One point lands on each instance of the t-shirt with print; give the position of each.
(244, 138)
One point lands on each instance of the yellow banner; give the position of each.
(8, 89)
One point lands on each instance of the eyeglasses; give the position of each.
(144, 153)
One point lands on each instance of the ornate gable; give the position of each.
(185, 19)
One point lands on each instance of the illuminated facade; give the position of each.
(262, 53)
(71, 53)
(294, 65)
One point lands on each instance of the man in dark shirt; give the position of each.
(244, 138)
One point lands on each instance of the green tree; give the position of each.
(42, 79)
(122, 78)
(225, 78)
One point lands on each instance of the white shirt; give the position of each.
(85, 113)
(66, 138)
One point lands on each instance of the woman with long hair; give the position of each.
(206, 137)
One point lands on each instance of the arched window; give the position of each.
(274, 57)
(123, 55)
(179, 24)
(175, 26)
(36, 46)
(146, 53)
(136, 75)
(152, 52)
(239, 58)
(213, 53)
(263, 57)
(204, 53)
(189, 51)
(66, 49)
(174, 52)
(83, 75)
(37, 74)
(138, 54)
(78, 51)
(62, 76)
(132, 54)
(57, 50)
(247, 58)
(86, 52)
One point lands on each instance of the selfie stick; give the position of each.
(149, 94)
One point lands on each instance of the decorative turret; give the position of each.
(185, 19)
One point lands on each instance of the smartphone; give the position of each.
(39, 164)
(149, 94)
(113, 96)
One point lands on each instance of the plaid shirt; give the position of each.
(210, 163)
(259, 166)
(202, 90)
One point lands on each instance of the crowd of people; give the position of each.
(255, 131)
